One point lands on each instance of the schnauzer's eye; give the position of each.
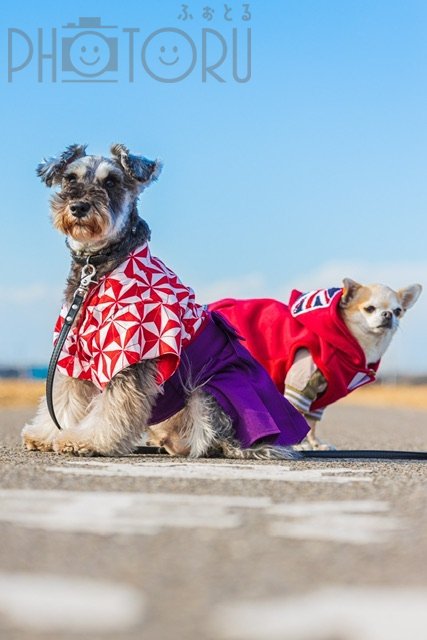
(397, 312)
(110, 182)
(70, 177)
(370, 309)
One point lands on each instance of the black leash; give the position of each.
(88, 272)
(350, 454)
(367, 454)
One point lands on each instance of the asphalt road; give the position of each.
(156, 548)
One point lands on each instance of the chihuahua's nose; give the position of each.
(79, 209)
(387, 319)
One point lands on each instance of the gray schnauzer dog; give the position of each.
(142, 352)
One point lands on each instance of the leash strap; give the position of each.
(349, 454)
(370, 454)
(87, 278)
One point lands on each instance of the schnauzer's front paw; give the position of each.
(33, 441)
(66, 443)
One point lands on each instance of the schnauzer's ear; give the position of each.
(349, 291)
(138, 168)
(52, 169)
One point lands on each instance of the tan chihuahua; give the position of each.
(371, 314)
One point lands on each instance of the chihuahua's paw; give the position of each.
(324, 446)
(313, 444)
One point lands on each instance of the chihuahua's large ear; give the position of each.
(138, 168)
(350, 289)
(51, 170)
(409, 295)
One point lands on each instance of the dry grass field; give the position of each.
(389, 395)
(25, 393)
(20, 393)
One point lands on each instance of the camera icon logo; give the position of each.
(89, 53)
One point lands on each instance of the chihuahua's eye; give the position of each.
(397, 312)
(370, 309)
(70, 177)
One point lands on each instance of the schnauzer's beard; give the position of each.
(97, 225)
(103, 223)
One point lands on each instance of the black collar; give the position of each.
(96, 259)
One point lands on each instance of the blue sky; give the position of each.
(312, 171)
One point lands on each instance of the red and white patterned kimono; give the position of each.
(141, 310)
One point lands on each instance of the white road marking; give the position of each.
(52, 603)
(304, 509)
(129, 513)
(346, 613)
(356, 522)
(212, 471)
(106, 513)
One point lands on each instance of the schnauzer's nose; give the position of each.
(79, 209)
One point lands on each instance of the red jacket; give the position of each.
(273, 332)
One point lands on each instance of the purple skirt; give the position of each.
(217, 361)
